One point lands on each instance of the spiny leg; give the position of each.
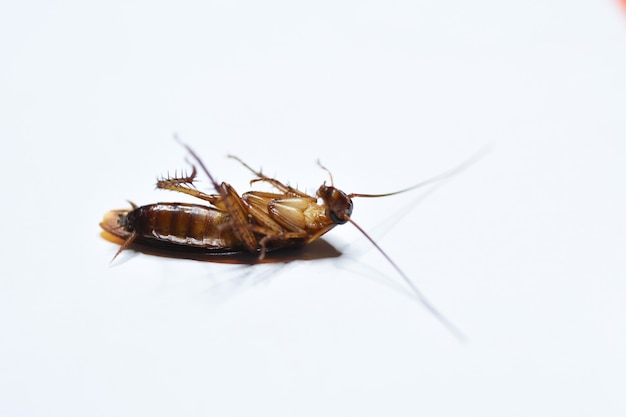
(184, 184)
(178, 185)
(182, 179)
(239, 214)
(274, 182)
(230, 201)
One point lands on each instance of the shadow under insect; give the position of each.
(317, 250)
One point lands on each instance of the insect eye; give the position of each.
(341, 216)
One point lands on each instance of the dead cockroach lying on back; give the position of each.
(253, 222)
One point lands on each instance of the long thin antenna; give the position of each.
(470, 161)
(420, 296)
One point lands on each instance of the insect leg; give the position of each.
(257, 204)
(187, 180)
(238, 214)
(294, 237)
(230, 201)
(174, 185)
(274, 182)
(280, 219)
(266, 225)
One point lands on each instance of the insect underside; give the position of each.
(252, 222)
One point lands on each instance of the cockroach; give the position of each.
(254, 221)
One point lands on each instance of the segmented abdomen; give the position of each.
(184, 224)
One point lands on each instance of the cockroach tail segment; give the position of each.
(115, 223)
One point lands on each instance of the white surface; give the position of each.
(524, 251)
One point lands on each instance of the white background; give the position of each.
(524, 251)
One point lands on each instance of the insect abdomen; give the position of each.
(183, 224)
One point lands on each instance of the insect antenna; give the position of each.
(420, 296)
(330, 174)
(431, 180)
